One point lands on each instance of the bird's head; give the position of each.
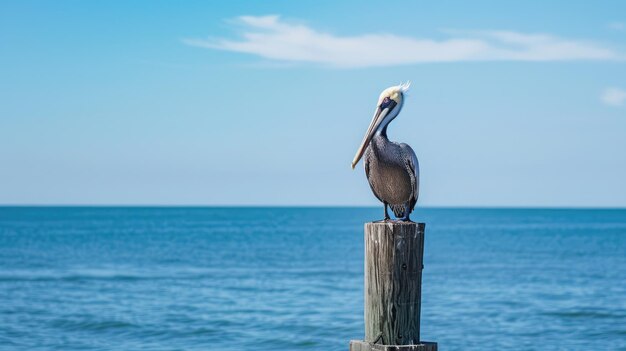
(389, 105)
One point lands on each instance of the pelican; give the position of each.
(391, 168)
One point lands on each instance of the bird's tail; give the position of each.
(398, 210)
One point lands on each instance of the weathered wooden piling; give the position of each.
(394, 254)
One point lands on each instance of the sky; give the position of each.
(265, 103)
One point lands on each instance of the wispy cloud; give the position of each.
(619, 26)
(614, 97)
(272, 38)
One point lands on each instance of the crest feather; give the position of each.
(404, 86)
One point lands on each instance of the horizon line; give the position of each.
(479, 207)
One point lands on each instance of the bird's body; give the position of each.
(392, 171)
(391, 168)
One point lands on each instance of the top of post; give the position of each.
(390, 224)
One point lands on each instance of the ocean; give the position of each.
(132, 278)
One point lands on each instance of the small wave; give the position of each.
(91, 325)
(73, 277)
(202, 332)
(93, 274)
(587, 314)
(307, 343)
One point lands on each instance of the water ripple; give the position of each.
(292, 278)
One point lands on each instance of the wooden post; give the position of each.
(394, 254)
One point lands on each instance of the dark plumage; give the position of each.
(392, 171)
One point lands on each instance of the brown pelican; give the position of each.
(391, 168)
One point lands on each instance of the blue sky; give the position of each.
(265, 103)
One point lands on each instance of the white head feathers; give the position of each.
(395, 92)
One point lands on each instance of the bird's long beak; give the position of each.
(379, 116)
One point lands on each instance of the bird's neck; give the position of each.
(382, 132)
(382, 129)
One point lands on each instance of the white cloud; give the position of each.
(619, 26)
(614, 97)
(272, 38)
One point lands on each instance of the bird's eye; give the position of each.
(385, 102)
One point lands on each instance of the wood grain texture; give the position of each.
(393, 280)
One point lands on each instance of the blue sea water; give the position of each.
(292, 278)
